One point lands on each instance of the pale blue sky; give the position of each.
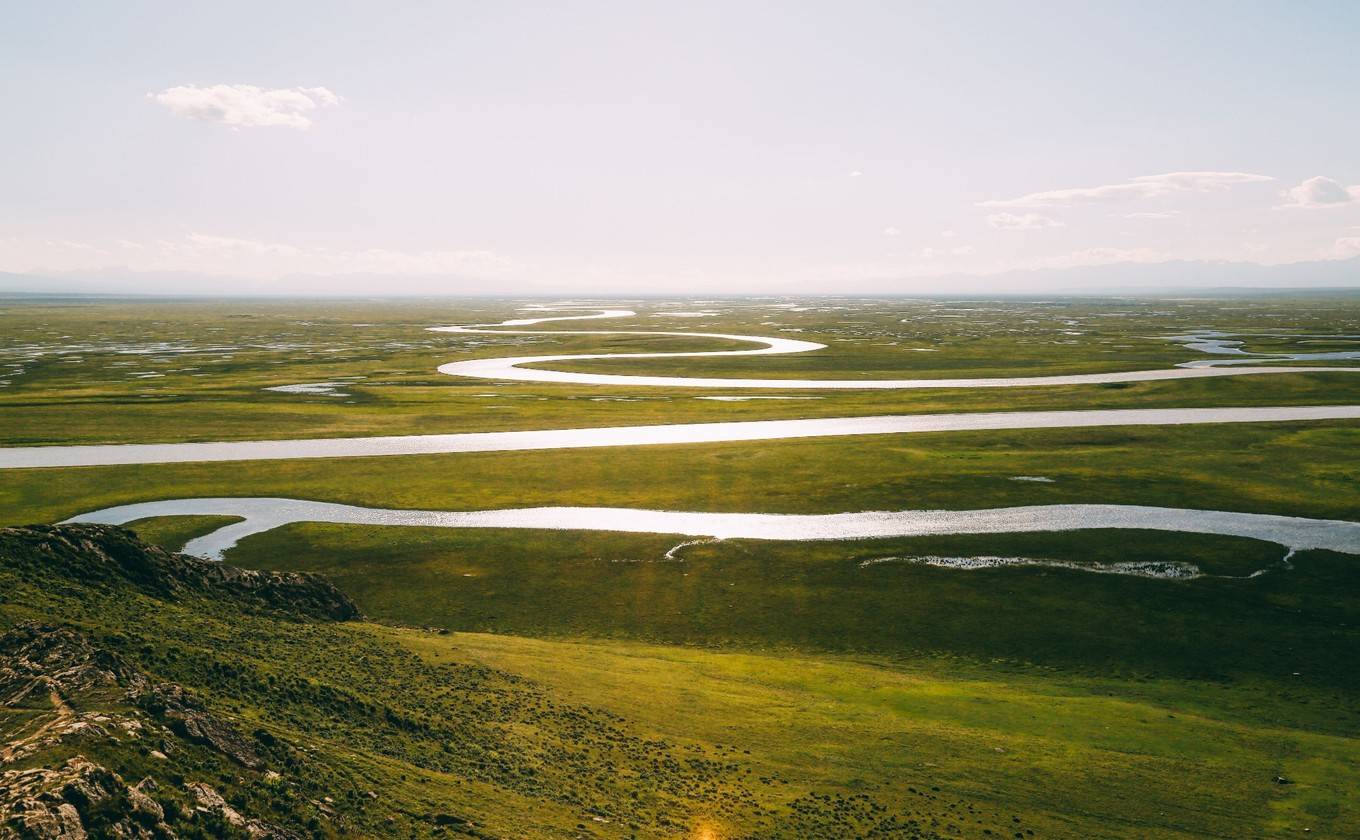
(631, 147)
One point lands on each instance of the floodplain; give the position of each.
(1082, 682)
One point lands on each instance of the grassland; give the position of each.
(1293, 627)
(1281, 468)
(745, 689)
(169, 371)
(393, 731)
(1091, 757)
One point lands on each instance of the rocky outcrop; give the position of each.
(76, 800)
(188, 719)
(74, 713)
(208, 800)
(298, 592)
(38, 658)
(81, 799)
(73, 683)
(104, 553)
(91, 691)
(84, 696)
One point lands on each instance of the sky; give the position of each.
(662, 147)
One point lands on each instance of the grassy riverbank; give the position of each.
(1294, 627)
(1278, 468)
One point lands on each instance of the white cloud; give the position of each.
(1023, 221)
(1321, 192)
(891, 231)
(1146, 186)
(1169, 214)
(1347, 247)
(241, 106)
(855, 173)
(70, 245)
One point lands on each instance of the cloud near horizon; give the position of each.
(1093, 257)
(1319, 192)
(1023, 221)
(1144, 186)
(245, 106)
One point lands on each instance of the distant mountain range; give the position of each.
(1174, 277)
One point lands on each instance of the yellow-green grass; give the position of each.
(1294, 627)
(68, 416)
(535, 738)
(1070, 756)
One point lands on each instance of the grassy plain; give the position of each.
(1294, 627)
(1298, 469)
(105, 372)
(746, 689)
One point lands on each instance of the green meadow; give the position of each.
(159, 371)
(414, 732)
(590, 684)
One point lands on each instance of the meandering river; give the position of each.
(676, 433)
(264, 514)
(512, 368)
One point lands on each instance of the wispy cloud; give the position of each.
(1146, 186)
(1321, 192)
(1102, 256)
(1169, 214)
(244, 106)
(285, 257)
(938, 253)
(1023, 221)
(215, 254)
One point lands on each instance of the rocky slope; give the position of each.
(103, 553)
(145, 694)
(63, 695)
